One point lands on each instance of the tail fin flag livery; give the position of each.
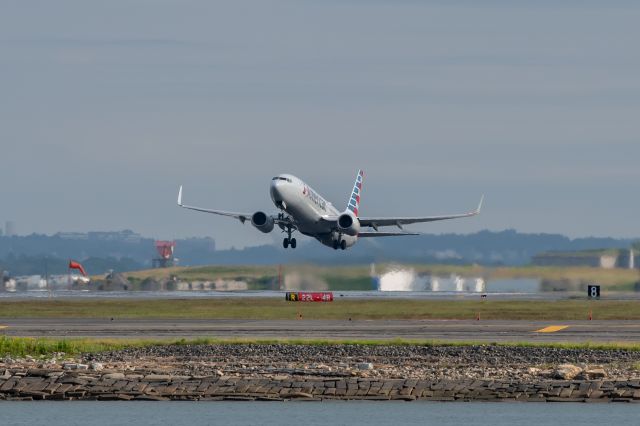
(354, 201)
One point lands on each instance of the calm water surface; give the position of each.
(314, 413)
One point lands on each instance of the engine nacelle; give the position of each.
(348, 224)
(262, 221)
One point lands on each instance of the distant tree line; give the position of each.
(27, 255)
(18, 265)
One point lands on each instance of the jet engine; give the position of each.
(262, 221)
(348, 224)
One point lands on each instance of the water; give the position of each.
(312, 413)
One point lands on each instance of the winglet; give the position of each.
(180, 196)
(480, 205)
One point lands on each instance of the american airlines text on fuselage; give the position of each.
(315, 198)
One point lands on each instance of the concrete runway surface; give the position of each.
(451, 330)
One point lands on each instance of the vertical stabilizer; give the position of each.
(354, 201)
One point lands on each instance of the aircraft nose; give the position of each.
(276, 191)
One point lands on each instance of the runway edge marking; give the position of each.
(551, 329)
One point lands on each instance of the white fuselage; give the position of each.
(307, 208)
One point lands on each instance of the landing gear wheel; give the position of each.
(288, 240)
(343, 245)
(335, 245)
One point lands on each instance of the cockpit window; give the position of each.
(282, 178)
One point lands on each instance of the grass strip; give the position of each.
(43, 347)
(341, 309)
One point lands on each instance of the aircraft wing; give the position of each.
(375, 222)
(385, 234)
(242, 217)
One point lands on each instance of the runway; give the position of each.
(442, 330)
(339, 295)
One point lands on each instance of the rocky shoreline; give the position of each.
(346, 372)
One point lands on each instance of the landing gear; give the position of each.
(342, 244)
(288, 240)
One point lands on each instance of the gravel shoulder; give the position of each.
(388, 361)
(318, 372)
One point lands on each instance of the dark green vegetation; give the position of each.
(23, 346)
(41, 264)
(507, 247)
(341, 309)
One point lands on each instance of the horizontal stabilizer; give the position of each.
(386, 234)
(375, 222)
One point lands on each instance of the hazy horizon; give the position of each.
(277, 243)
(109, 107)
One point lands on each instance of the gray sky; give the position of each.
(106, 107)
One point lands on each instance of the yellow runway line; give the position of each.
(551, 329)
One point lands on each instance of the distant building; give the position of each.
(127, 236)
(10, 228)
(606, 259)
(627, 259)
(72, 235)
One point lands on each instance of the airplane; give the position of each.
(302, 209)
